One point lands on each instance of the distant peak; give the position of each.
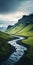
(25, 15)
(9, 26)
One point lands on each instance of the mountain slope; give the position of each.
(16, 29)
(26, 31)
(9, 26)
(23, 26)
(5, 36)
(26, 19)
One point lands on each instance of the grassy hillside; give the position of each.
(23, 26)
(29, 55)
(26, 31)
(5, 48)
(5, 36)
(16, 29)
(21, 30)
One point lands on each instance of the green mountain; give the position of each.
(16, 29)
(23, 26)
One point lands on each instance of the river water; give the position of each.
(20, 51)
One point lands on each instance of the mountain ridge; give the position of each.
(26, 19)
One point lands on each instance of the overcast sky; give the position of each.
(12, 10)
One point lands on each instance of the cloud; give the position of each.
(11, 6)
(7, 6)
(11, 18)
(27, 6)
(3, 25)
(12, 10)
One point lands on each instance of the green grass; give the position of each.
(26, 31)
(5, 36)
(16, 29)
(29, 41)
(21, 30)
(5, 48)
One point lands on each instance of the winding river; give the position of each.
(20, 51)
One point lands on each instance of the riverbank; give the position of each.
(22, 60)
(21, 50)
(18, 44)
(5, 49)
(28, 59)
